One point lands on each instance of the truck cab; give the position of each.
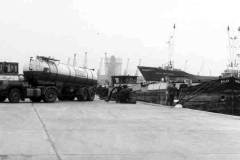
(9, 78)
(8, 71)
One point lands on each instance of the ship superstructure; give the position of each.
(233, 66)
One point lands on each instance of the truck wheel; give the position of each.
(2, 99)
(14, 95)
(50, 95)
(70, 98)
(66, 98)
(36, 99)
(84, 95)
(91, 94)
(60, 98)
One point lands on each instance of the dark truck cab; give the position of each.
(8, 68)
(9, 79)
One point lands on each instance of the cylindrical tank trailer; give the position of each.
(44, 70)
(47, 79)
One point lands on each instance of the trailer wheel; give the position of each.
(2, 99)
(60, 98)
(66, 98)
(70, 98)
(83, 96)
(36, 99)
(91, 94)
(14, 95)
(50, 95)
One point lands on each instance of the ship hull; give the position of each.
(159, 74)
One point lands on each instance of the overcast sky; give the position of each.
(126, 28)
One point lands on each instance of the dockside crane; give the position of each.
(100, 67)
(139, 64)
(185, 65)
(126, 69)
(85, 60)
(75, 60)
(106, 63)
(68, 61)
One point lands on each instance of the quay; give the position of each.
(108, 131)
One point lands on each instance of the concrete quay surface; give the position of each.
(108, 131)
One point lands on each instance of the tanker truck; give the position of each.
(46, 79)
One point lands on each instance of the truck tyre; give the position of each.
(66, 98)
(49, 95)
(36, 99)
(83, 96)
(70, 98)
(91, 94)
(14, 95)
(2, 99)
(60, 98)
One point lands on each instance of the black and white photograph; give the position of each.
(119, 80)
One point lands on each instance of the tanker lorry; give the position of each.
(46, 79)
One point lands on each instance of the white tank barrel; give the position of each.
(44, 70)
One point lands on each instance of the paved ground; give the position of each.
(109, 131)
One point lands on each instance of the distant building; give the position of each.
(112, 66)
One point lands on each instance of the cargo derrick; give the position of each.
(47, 79)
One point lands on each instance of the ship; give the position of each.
(168, 72)
(155, 74)
(159, 79)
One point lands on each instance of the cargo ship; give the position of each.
(215, 94)
(158, 79)
(155, 74)
(221, 96)
(168, 72)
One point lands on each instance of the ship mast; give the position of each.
(171, 45)
(237, 56)
(234, 56)
(231, 41)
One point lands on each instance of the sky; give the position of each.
(134, 29)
